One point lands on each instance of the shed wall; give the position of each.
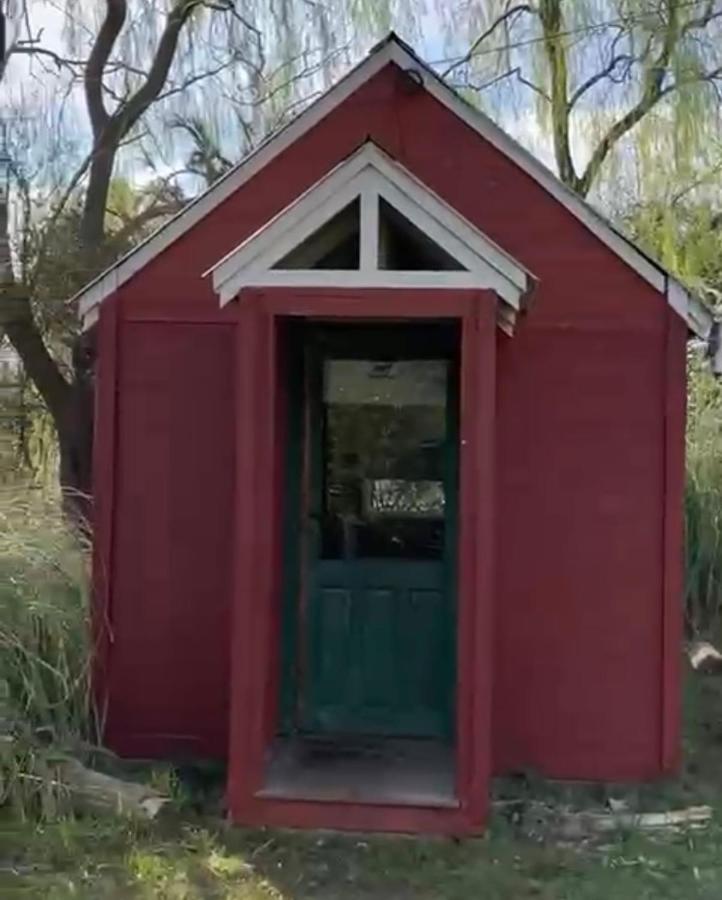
(581, 443)
(168, 672)
(580, 569)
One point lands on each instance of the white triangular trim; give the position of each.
(370, 174)
(699, 317)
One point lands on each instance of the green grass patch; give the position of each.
(194, 857)
(88, 860)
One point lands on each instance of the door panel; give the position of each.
(376, 630)
(379, 649)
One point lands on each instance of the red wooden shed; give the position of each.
(389, 462)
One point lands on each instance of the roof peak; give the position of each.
(392, 49)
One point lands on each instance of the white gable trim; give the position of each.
(370, 174)
(698, 317)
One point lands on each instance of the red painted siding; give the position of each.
(589, 467)
(173, 531)
(580, 524)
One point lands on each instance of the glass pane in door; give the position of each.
(383, 456)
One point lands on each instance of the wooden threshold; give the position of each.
(377, 771)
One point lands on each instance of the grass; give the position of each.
(189, 857)
(195, 861)
(44, 651)
(703, 504)
(43, 618)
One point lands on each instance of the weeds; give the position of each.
(45, 652)
(703, 505)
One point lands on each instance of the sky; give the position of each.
(49, 128)
(48, 124)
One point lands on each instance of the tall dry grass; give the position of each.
(45, 651)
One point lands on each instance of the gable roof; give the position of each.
(392, 50)
(365, 179)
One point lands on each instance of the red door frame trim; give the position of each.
(256, 599)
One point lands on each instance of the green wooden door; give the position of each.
(377, 622)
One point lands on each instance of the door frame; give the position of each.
(258, 535)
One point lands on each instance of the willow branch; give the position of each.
(653, 91)
(550, 15)
(148, 92)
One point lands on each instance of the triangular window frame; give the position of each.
(370, 174)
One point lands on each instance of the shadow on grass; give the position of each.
(197, 861)
(198, 858)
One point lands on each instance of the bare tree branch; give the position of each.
(652, 92)
(148, 92)
(30, 48)
(195, 79)
(515, 73)
(505, 17)
(615, 60)
(115, 13)
(710, 175)
(112, 129)
(33, 47)
(702, 21)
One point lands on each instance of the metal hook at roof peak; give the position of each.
(413, 81)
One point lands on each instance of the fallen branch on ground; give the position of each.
(73, 785)
(96, 792)
(580, 825)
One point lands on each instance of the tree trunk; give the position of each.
(70, 403)
(92, 227)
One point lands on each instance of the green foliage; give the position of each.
(45, 651)
(28, 445)
(703, 503)
(199, 861)
(685, 236)
(635, 80)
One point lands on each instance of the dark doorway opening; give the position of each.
(367, 705)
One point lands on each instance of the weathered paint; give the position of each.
(588, 479)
